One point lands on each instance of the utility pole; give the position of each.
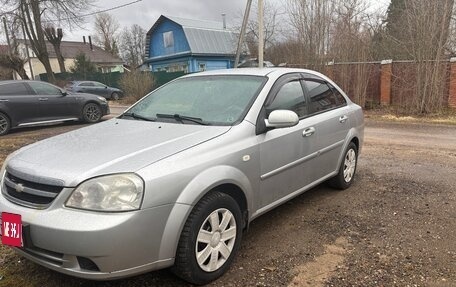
(260, 33)
(242, 34)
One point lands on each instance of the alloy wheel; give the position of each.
(349, 165)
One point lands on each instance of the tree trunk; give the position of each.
(15, 63)
(60, 58)
(35, 33)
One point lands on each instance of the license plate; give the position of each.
(11, 229)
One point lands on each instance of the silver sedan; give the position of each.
(176, 179)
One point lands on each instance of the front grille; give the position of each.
(31, 194)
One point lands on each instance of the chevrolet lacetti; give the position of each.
(176, 179)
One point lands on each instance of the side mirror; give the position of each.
(282, 119)
(64, 93)
(106, 87)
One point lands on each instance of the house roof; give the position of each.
(204, 37)
(71, 49)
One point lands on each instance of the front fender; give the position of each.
(210, 178)
(203, 183)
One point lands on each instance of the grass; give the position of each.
(447, 117)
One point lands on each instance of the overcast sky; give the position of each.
(146, 12)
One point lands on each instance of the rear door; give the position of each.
(18, 102)
(85, 87)
(330, 114)
(52, 104)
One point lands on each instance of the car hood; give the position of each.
(113, 146)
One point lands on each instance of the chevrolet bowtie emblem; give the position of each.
(19, 187)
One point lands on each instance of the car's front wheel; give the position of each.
(209, 240)
(347, 168)
(5, 124)
(91, 113)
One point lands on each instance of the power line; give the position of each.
(95, 13)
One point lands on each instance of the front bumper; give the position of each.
(95, 245)
(105, 109)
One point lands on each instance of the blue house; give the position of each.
(175, 44)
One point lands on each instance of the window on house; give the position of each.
(168, 39)
(202, 67)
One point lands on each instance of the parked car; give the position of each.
(26, 103)
(176, 179)
(95, 88)
(253, 63)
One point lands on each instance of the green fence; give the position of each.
(110, 79)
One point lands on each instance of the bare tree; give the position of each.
(55, 38)
(14, 62)
(11, 59)
(272, 28)
(34, 14)
(106, 32)
(312, 20)
(427, 28)
(350, 41)
(133, 45)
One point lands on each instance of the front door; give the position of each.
(52, 104)
(285, 152)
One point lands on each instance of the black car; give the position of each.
(95, 88)
(26, 103)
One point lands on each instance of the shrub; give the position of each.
(136, 84)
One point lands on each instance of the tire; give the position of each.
(5, 124)
(347, 168)
(115, 96)
(200, 239)
(91, 113)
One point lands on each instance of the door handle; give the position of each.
(308, 132)
(42, 99)
(343, 119)
(4, 100)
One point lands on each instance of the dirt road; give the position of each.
(396, 226)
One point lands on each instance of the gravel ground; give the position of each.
(396, 226)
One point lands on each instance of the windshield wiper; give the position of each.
(182, 118)
(138, 117)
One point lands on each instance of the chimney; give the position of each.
(224, 20)
(84, 39)
(90, 42)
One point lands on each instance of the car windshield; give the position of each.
(209, 100)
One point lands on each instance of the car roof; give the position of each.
(20, 81)
(255, 71)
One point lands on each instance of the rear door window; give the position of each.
(86, 84)
(44, 89)
(322, 97)
(13, 89)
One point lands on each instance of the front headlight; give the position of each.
(117, 192)
(102, 99)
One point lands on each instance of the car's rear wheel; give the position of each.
(91, 113)
(347, 168)
(209, 240)
(115, 96)
(5, 124)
